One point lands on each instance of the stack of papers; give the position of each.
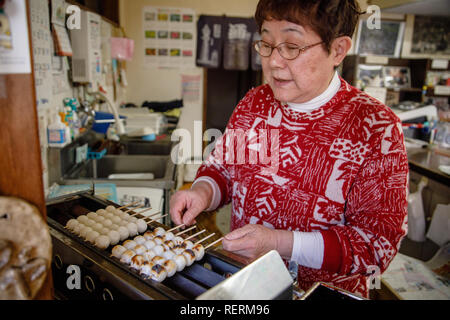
(412, 279)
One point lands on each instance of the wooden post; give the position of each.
(20, 155)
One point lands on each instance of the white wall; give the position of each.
(157, 84)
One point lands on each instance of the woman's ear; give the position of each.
(339, 49)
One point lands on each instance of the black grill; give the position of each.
(113, 279)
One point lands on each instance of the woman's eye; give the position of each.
(292, 47)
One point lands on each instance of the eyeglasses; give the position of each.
(288, 51)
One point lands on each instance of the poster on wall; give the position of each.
(210, 41)
(14, 46)
(238, 35)
(169, 37)
(42, 53)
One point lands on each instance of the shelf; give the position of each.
(405, 89)
(430, 93)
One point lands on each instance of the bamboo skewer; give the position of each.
(128, 205)
(177, 227)
(155, 214)
(194, 235)
(205, 238)
(145, 210)
(134, 208)
(189, 229)
(154, 220)
(211, 244)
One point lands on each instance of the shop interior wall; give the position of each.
(165, 84)
(63, 87)
(153, 84)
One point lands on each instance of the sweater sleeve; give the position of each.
(216, 196)
(375, 212)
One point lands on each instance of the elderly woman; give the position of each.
(333, 196)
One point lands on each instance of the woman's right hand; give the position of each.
(186, 205)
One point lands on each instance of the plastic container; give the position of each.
(103, 127)
(96, 155)
(58, 134)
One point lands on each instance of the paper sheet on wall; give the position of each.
(191, 87)
(63, 47)
(59, 12)
(14, 47)
(42, 53)
(169, 37)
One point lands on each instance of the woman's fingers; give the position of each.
(239, 239)
(185, 206)
(189, 216)
(178, 206)
(250, 241)
(238, 233)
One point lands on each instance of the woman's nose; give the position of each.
(276, 60)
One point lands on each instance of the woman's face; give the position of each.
(304, 78)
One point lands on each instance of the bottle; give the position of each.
(424, 94)
(70, 105)
(57, 133)
(76, 121)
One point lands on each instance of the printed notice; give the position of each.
(42, 53)
(14, 46)
(191, 87)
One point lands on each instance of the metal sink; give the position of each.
(139, 147)
(98, 170)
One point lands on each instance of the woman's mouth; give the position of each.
(278, 82)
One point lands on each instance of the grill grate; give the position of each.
(187, 284)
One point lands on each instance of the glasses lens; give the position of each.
(289, 51)
(263, 48)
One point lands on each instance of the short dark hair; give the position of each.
(330, 19)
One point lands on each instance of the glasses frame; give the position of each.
(300, 49)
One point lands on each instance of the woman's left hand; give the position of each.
(253, 241)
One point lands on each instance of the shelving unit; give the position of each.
(418, 69)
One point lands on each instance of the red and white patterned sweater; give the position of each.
(341, 169)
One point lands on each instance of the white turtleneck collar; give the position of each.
(320, 100)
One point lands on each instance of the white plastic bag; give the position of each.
(416, 214)
(439, 231)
